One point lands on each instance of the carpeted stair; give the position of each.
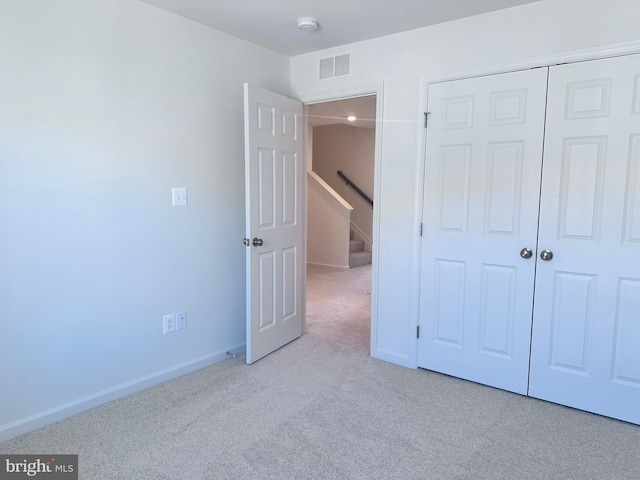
(358, 256)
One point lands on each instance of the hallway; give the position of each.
(339, 306)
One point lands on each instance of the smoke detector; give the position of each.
(308, 24)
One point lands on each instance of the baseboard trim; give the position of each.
(60, 412)
(392, 358)
(325, 265)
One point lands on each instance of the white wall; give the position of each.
(104, 106)
(351, 150)
(328, 224)
(541, 28)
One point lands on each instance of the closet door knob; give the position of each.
(526, 253)
(257, 242)
(546, 255)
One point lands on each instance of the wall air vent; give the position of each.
(326, 68)
(337, 66)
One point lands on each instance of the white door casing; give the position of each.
(482, 183)
(275, 204)
(586, 329)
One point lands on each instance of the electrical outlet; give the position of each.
(179, 196)
(169, 323)
(181, 320)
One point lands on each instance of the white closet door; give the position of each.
(586, 329)
(482, 185)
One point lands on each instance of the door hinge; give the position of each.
(418, 331)
(426, 118)
(421, 225)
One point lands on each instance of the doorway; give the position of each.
(341, 157)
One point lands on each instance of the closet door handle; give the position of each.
(526, 253)
(546, 255)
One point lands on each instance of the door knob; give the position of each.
(546, 255)
(247, 242)
(526, 253)
(257, 242)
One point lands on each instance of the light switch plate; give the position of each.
(179, 196)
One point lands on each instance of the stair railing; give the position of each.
(355, 188)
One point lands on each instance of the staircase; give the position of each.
(357, 254)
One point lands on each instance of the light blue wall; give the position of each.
(104, 106)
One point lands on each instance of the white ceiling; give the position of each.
(272, 23)
(329, 113)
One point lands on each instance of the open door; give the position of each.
(275, 204)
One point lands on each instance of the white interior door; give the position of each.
(586, 329)
(275, 204)
(482, 185)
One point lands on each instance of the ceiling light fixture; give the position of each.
(352, 118)
(308, 24)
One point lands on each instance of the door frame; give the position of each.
(343, 93)
(571, 56)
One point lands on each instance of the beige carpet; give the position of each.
(321, 408)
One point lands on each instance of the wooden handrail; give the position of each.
(355, 188)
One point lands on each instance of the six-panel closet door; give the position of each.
(487, 185)
(586, 327)
(482, 187)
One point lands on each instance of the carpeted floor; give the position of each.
(321, 408)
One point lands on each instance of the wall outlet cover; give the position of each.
(181, 320)
(169, 323)
(179, 196)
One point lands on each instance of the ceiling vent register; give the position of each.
(338, 66)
